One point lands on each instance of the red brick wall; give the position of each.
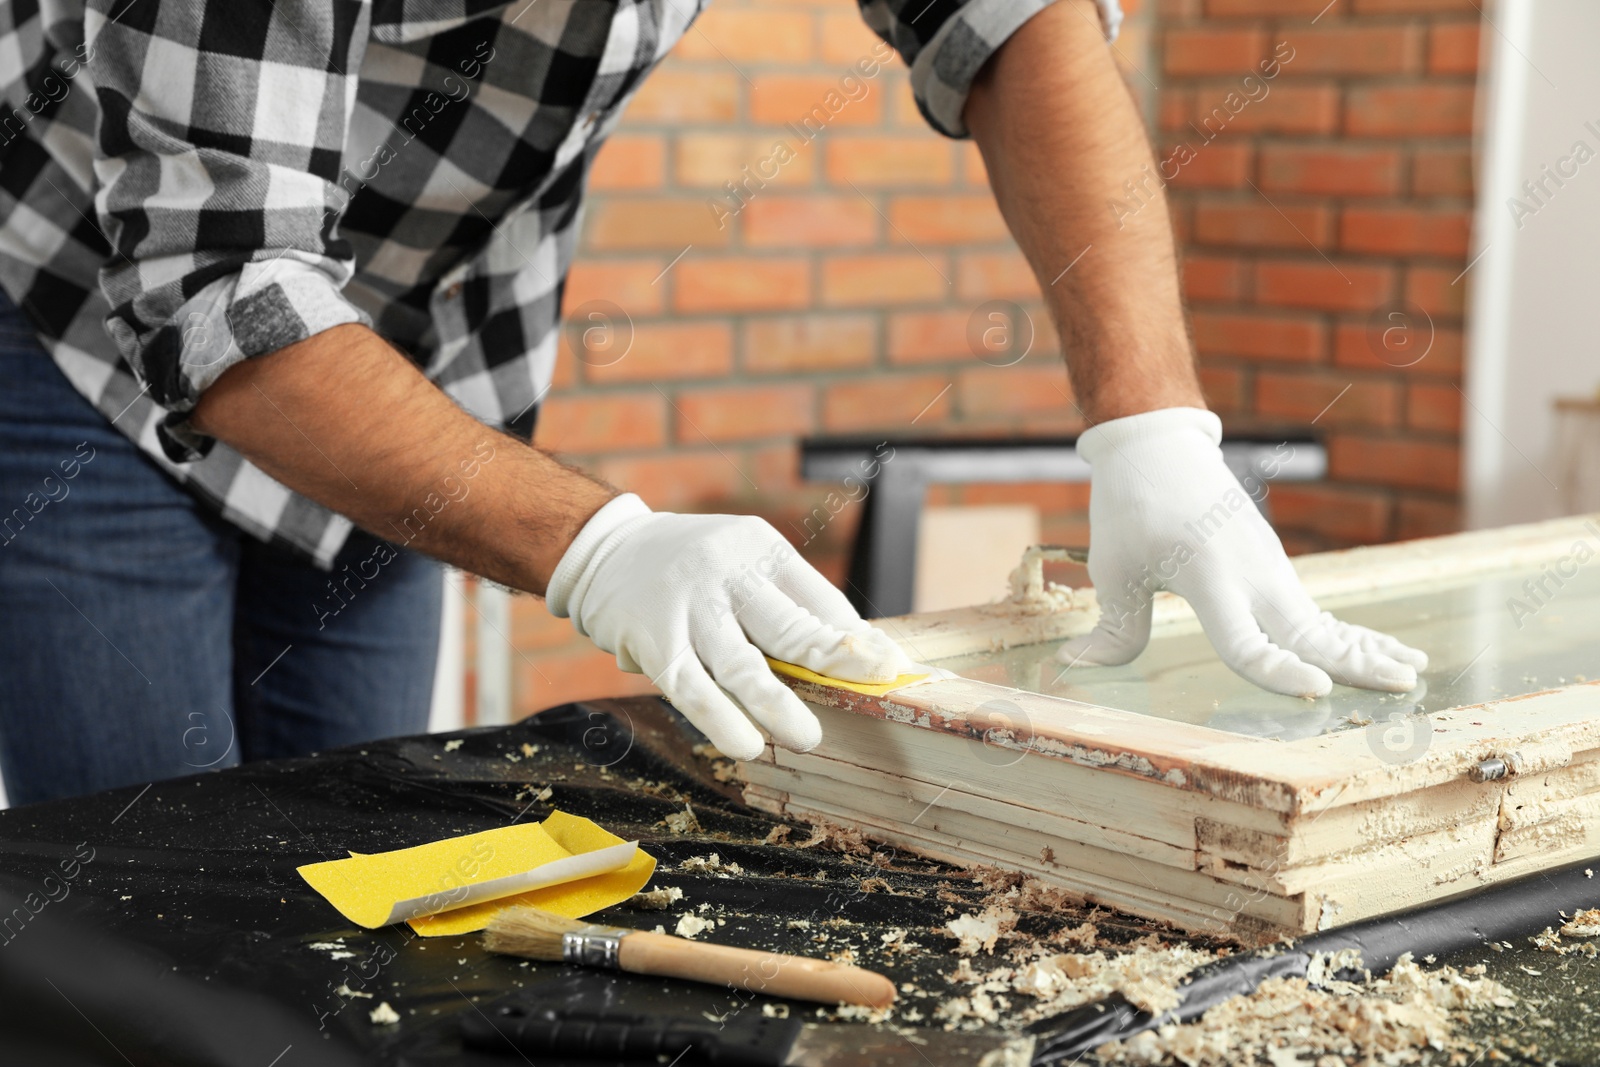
(1345, 190)
(837, 299)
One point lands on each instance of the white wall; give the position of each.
(449, 677)
(1534, 323)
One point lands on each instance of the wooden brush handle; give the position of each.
(771, 973)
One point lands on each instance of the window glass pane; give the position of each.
(1500, 636)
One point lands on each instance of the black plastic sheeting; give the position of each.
(172, 929)
(165, 924)
(1512, 910)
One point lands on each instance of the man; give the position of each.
(290, 259)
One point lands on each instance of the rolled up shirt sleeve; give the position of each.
(217, 161)
(946, 43)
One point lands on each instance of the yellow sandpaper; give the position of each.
(871, 689)
(574, 899)
(366, 888)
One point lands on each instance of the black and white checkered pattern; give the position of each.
(185, 184)
(946, 43)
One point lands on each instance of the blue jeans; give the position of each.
(143, 637)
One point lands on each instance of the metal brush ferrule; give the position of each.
(593, 946)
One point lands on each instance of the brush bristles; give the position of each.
(529, 932)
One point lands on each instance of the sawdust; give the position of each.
(1397, 1019)
(1324, 967)
(856, 1013)
(1031, 595)
(1147, 974)
(691, 925)
(895, 943)
(982, 930)
(713, 864)
(832, 837)
(1022, 892)
(683, 822)
(335, 949)
(1083, 936)
(1584, 924)
(541, 795)
(655, 899)
(1405, 1017)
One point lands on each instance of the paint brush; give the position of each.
(539, 935)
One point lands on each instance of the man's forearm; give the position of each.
(345, 420)
(1060, 137)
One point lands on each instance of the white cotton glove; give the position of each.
(692, 601)
(1165, 512)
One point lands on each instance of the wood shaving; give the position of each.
(683, 822)
(1547, 940)
(1323, 968)
(895, 942)
(691, 925)
(778, 835)
(834, 838)
(981, 930)
(877, 885)
(980, 1008)
(712, 863)
(1084, 935)
(383, 1015)
(451, 746)
(1019, 891)
(857, 1013)
(1584, 924)
(655, 899)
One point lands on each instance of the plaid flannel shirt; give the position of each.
(185, 184)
